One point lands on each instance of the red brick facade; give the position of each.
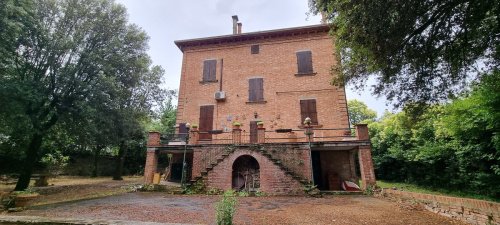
(277, 77)
(276, 64)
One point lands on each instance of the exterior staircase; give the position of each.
(259, 149)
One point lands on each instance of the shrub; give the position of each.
(226, 208)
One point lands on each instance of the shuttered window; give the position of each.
(206, 121)
(209, 69)
(304, 62)
(254, 49)
(308, 109)
(256, 90)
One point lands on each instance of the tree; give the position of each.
(419, 51)
(358, 112)
(67, 50)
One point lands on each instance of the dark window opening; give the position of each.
(304, 62)
(254, 49)
(209, 70)
(256, 90)
(308, 109)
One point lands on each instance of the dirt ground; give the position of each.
(160, 207)
(64, 189)
(103, 198)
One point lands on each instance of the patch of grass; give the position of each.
(434, 191)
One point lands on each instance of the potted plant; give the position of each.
(260, 124)
(24, 198)
(236, 125)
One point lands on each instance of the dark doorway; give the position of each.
(176, 172)
(206, 121)
(182, 131)
(317, 173)
(253, 131)
(246, 174)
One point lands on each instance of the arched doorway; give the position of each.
(246, 174)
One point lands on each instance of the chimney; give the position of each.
(235, 24)
(239, 27)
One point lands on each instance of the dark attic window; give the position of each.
(254, 49)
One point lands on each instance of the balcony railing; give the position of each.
(261, 135)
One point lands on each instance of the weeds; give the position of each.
(226, 208)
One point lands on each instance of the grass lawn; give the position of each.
(435, 191)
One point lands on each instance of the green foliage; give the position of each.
(243, 194)
(75, 68)
(452, 146)
(418, 51)
(55, 163)
(198, 187)
(359, 112)
(432, 190)
(226, 208)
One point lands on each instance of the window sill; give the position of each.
(305, 74)
(208, 81)
(257, 102)
(313, 126)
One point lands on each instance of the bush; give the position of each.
(226, 208)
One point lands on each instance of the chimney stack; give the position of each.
(239, 27)
(235, 24)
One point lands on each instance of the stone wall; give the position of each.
(471, 211)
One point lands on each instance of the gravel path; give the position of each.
(160, 207)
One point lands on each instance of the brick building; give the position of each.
(269, 82)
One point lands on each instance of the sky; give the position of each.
(168, 20)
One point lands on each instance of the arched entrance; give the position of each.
(246, 174)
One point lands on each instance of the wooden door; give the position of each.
(253, 131)
(206, 121)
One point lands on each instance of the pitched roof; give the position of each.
(252, 35)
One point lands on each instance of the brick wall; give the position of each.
(273, 180)
(277, 65)
(471, 211)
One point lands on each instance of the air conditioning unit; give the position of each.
(220, 96)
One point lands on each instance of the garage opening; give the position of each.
(246, 174)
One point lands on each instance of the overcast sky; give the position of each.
(169, 20)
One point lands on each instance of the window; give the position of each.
(304, 62)
(254, 49)
(308, 109)
(209, 69)
(256, 90)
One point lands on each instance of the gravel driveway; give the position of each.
(160, 207)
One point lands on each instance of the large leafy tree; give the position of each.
(359, 112)
(66, 51)
(419, 50)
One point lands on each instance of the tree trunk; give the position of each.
(97, 153)
(120, 160)
(31, 156)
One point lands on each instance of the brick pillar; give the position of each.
(194, 136)
(151, 165)
(153, 138)
(236, 136)
(197, 160)
(366, 166)
(261, 135)
(362, 132)
(365, 157)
